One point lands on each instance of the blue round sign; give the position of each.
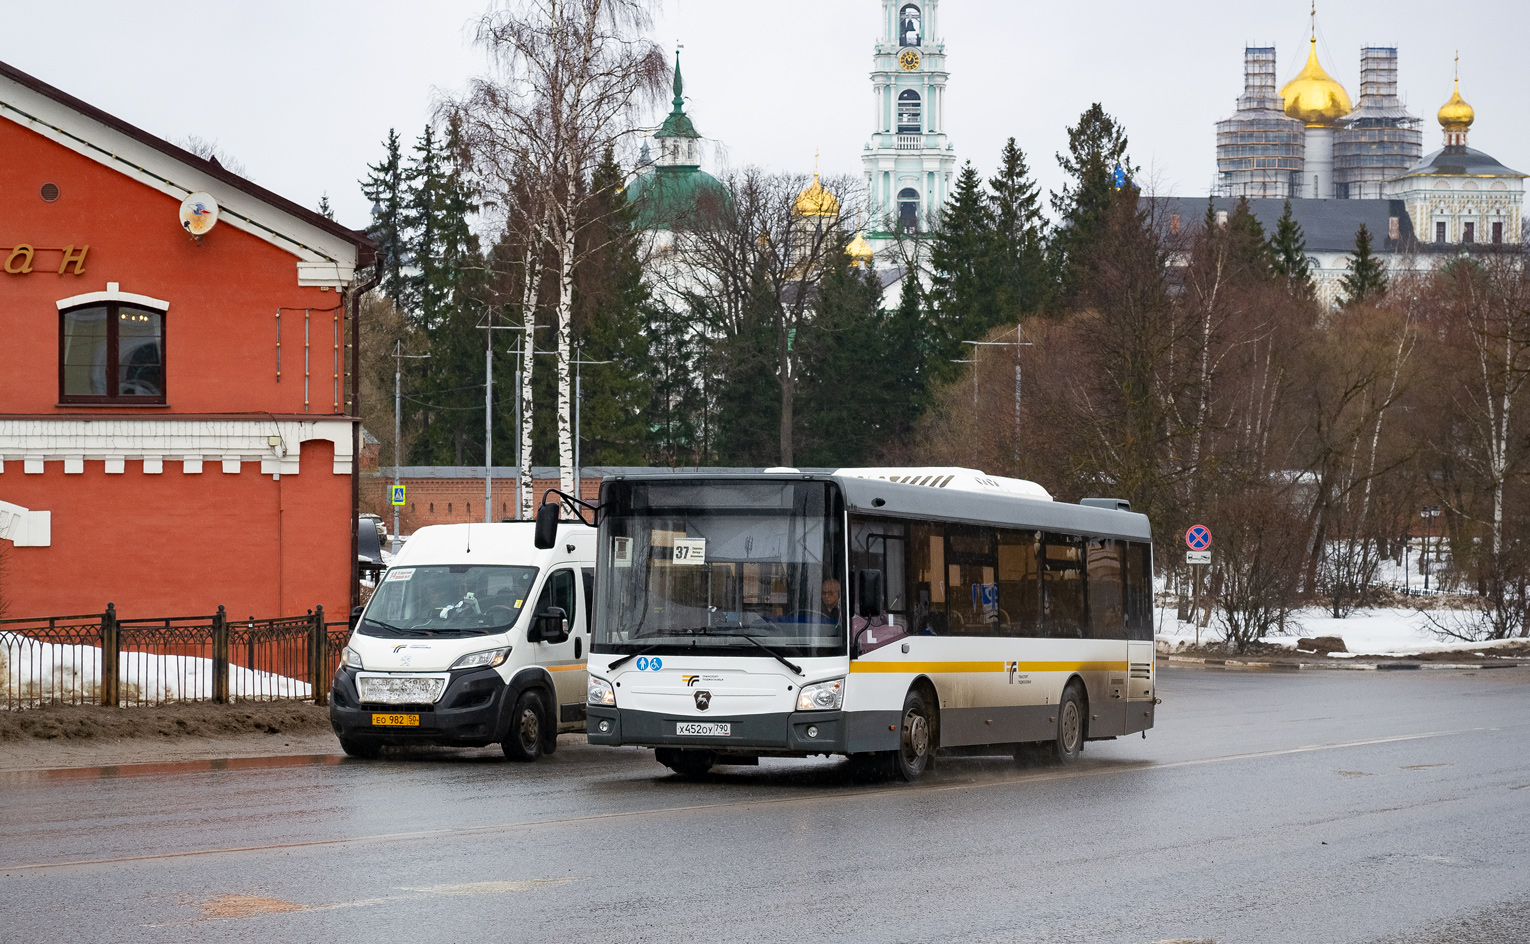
(644, 664)
(1198, 538)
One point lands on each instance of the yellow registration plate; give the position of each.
(411, 721)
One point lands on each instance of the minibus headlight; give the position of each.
(601, 692)
(351, 658)
(822, 696)
(489, 658)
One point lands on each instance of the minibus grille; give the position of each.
(400, 690)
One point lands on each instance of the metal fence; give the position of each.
(103, 659)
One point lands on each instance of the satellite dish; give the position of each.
(199, 213)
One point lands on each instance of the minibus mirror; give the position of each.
(546, 534)
(355, 615)
(868, 593)
(550, 626)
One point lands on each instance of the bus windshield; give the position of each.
(447, 600)
(721, 565)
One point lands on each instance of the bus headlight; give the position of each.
(601, 692)
(489, 658)
(822, 696)
(351, 657)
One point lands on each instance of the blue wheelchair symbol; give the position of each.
(644, 664)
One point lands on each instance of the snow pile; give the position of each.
(1379, 632)
(34, 673)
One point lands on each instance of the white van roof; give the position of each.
(507, 543)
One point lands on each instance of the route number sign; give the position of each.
(1198, 537)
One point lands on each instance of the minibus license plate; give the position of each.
(704, 729)
(396, 721)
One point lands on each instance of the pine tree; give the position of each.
(325, 210)
(842, 415)
(1288, 247)
(960, 254)
(1017, 254)
(1367, 278)
(615, 309)
(385, 187)
(1095, 146)
(1248, 251)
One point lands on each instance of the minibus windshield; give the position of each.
(721, 564)
(447, 600)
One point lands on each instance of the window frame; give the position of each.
(114, 310)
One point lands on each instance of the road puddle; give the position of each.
(170, 768)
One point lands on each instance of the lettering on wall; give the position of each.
(19, 260)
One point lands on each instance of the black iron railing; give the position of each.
(103, 659)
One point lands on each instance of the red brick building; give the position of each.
(176, 419)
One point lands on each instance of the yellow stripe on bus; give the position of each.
(938, 668)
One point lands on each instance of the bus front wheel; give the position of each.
(916, 742)
(685, 763)
(1069, 743)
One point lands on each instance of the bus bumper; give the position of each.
(798, 732)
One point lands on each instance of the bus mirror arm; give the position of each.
(546, 534)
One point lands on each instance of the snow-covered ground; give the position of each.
(33, 672)
(1394, 631)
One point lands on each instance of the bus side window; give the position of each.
(1107, 619)
(1139, 591)
(927, 550)
(1063, 605)
(1019, 584)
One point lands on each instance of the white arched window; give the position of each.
(909, 112)
(908, 210)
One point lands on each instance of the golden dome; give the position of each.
(816, 201)
(1314, 97)
(1456, 115)
(859, 250)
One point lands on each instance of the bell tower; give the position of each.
(909, 163)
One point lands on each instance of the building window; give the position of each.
(908, 112)
(111, 353)
(1468, 232)
(1439, 232)
(910, 26)
(1497, 234)
(908, 210)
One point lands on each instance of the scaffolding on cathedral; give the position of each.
(1379, 140)
(1259, 149)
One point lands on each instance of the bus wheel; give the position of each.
(523, 742)
(685, 763)
(359, 748)
(1069, 743)
(917, 742)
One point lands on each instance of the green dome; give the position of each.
(675, 197)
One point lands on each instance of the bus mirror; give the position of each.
(546, 534)
(868, 593)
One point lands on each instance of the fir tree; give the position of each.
(422, 220)
(325, 210)
(1288, 249)
(1095, 146)
(1248, 251)
(842, 414)
(960, 253)
(1017, 253)
(615, 307)
(385, 187)
(1367, 278)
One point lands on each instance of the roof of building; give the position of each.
(1460, 161)
(677, 124)
(208, 168)
(816, 200)
(1456, 114)
(1314, 96)
(672, 196)
(1327, 225)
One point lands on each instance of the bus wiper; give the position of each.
(633, 655)
(773, 652)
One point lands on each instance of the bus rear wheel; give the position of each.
(1069, 743)
(685, 763)
(916, 741)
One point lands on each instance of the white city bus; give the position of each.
(877, 613)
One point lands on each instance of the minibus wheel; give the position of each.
(358, 748)
(523, 741)
(916, 742)
(1069, 743)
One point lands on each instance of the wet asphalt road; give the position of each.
(1315, 808)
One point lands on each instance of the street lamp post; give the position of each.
(1428, 513)
(398, 398)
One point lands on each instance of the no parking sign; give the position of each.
(1198, 540)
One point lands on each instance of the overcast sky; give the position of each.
(303, 93)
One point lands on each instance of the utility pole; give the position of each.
(398, 399)
(1017, 344)
(579, 363)
(488, 420)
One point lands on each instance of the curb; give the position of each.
(1244, 665)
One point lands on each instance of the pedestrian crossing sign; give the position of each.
(396, 494)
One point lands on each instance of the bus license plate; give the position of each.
(703, 729)
(397, 721)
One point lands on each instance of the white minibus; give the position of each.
(474, 636)
(882, 614)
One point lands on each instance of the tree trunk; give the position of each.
(530, 286)
(565, 342)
